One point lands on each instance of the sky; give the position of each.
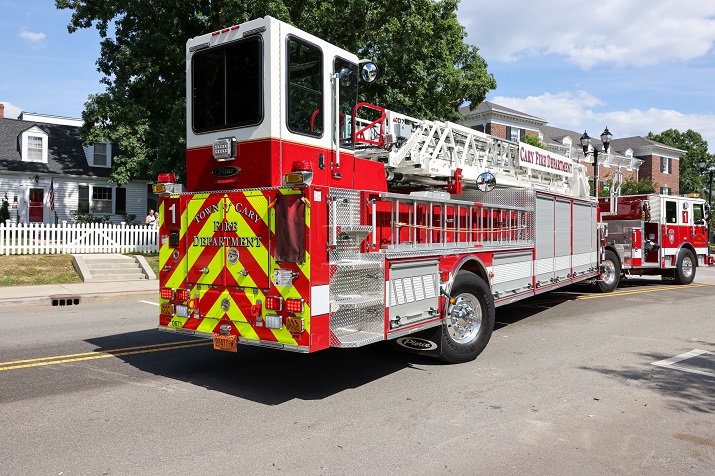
(634, 66)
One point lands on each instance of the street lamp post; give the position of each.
(606, 137)
(703, 164)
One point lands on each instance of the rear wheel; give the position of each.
(685, 267)
(610, 272)
(469, 320)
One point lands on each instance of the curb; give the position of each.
(82, 298)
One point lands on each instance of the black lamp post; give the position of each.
(606, 137)
(703, 164)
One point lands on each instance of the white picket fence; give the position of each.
(64, 238)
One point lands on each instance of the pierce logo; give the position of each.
(227, 171)
(416, 343)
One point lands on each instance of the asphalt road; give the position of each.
(567, 386)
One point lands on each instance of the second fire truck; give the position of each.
(311, 220)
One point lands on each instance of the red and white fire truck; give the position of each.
(653, 234)
(311, 220)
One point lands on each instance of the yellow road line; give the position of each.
(613, 294)
(99, 354)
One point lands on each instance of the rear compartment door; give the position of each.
(206, 256)
(228, 238)
(247, 239)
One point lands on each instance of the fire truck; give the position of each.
(653, 234)
(312, 220)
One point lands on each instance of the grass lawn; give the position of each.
(28, 270)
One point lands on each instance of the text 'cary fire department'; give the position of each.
(311, 220)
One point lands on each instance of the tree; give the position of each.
(427, 70)
(630, 186)
(534, 140)
(696, 149)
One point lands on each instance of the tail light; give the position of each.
(182, 294)
(166, 293)
(294, 305)
(274, 303)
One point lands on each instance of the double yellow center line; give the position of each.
(100, 354)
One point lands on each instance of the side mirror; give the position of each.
(486, 182)
(699, 222)
(369, 71)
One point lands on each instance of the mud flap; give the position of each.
(427, 342)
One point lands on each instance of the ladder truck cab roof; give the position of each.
(263, 93)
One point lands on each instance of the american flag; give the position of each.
(52, 194)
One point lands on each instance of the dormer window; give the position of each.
(33, 144)
(102, 154)
(34, 148)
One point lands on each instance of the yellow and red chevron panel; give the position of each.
(218, 271)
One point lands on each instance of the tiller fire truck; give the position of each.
(311, 220)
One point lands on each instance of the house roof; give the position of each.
(639, 143)
(66, 155)
(490, 108)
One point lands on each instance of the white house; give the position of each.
(46, 173)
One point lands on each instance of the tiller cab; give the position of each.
(311, 220)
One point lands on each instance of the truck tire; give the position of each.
(685, 267)
(469, 321)
(611, 273)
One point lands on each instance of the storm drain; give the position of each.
(65, 300)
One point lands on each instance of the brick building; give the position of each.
(634, 157)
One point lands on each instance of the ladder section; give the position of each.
(438, 149)
(357, 280)
(432, 222)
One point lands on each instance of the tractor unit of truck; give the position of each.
(311, 220)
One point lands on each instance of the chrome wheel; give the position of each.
(687, 267)
(608, 272)
(464, 319)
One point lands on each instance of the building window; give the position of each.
(83, 203)
(515, 134)
(102, 200)
(665, 191)
(666, 165)
(34, 149)
(100, 155)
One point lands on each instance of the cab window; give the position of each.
(671, 212)
(226, 83)
(305, 88)
(348, 73)
(698, 214)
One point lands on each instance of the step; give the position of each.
(118, 277)
(112, 265)
(109, 268)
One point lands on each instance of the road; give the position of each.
(567, 386)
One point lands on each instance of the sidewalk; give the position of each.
(77, 293)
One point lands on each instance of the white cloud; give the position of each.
(611, 32)
(35, 40)
(11, 111)
(576, 112)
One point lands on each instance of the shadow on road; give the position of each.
(262, 375)
(685, 391)
(273, 377)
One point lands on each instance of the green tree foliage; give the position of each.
(630, 186)
(697, 149)
(427, 70)
(534, 140)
